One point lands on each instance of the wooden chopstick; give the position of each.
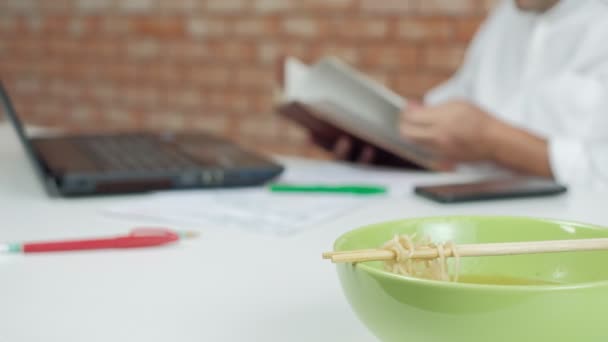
(329, 255)
(470, 250)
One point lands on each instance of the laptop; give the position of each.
(81, 165)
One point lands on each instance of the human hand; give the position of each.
(457, 130)
(344, 149)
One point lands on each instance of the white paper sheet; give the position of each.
(259, 210)
(254, 210)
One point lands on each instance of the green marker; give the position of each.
(340, 189)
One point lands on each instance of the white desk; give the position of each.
(225, 286)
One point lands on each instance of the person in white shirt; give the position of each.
(532, 95)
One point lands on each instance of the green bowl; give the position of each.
(399, 308)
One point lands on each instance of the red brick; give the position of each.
(102, 93)
(255, 26)
(416, 84)
(390, 56)
(226, 6)
(379, 76)
(8, 24)
(295, 133)
(138, 6)
(93, 5)
(262, 126)
(303, 27)
(184, 51)
(466, 29)
(26, 49)
(448, 6)
(120, 117)
(167, 120)
(425, 29)
(208, 122)
(444, 57)
(268, 53)
(236, 102)
(359, 28)
(104, 49)
(137, 95)
(64, 90)
(216, 100)
(64, 48)
(328, 5)
(32, 24)
(79, 114)
(273, 6)
(23, 6)
(158, 26)
(115, 25)
(388, 6)
(264, 102)
(29, 86)
(147, 48)
(255, 78)
(233, 51)
(180, 6)
(49, 113)
(206, 27)
(89, 26)
(55, 5)
(348, 53)
(208, 75)
(184, 98)
(55, 25)
(489, 5)
(164, 74)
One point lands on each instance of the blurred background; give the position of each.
(115, 65)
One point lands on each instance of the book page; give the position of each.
(296, 73)
(333, 81)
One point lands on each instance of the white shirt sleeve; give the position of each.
(568, 107)
(580, 163)
(460, 85)
(577, 108)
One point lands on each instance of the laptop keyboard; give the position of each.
(134, 153)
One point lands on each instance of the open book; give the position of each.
(332, 99)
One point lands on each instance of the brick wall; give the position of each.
(209, 64)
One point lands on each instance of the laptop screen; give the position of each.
(16, 122)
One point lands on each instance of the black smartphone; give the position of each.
(504, 188)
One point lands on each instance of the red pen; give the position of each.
(137, 238)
